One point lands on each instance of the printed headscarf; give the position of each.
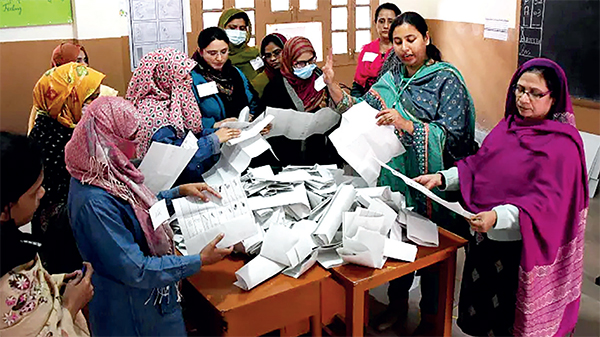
(161, 90)
(61, 92)
(99, 154)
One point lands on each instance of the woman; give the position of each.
(136, 271)
(233, 90)
(295, 89)
(59, 97)
(161, 90)
(428, 103)
(32, 300)
(238, 28)
(373, 54)
(528, 186)
(270, 49)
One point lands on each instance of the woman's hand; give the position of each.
(226, 134)
(79, 290)
(219, 123)
(211, 254)
(197, 190)
(328, 73)
(483, 221)
(266, 129)
(430, 180)
(393, 117)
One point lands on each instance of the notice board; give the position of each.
(22, 13)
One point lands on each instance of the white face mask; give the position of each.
(236, 37)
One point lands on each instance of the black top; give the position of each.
(17, 247)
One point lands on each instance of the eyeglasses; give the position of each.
(533, 94)
(302, 64)
(274, 54)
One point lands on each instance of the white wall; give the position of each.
(471, 11)
(93, 19)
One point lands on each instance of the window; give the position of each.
(212, 10)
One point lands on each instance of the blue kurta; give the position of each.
(126, 277)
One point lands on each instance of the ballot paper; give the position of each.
(365, 248)
(242, 121)
(300, 125)
(256, 272)
(303, 267)
(296, 196)
(252, 130)
(201, 221)
(359, 139)
(286, 246)
(328, 257)
(332, 219)
(453, 206)
(235, 159)
(419, 229)
(384, 193)
(163, 163)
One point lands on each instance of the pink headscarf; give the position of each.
(161, 90)
(539, 167)
(98, 154)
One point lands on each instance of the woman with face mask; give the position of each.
(428, 104)
(238, 28)
(373, 54)
(59, 97)
(295, 89)
(270, 49)
(221, 89)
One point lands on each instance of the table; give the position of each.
(358, 280)
(272, 305)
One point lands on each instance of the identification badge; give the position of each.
(369, 57)
(159, 213)
(207, 89)
(320, 83)
(257, 63)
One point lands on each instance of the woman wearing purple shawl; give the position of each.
(528, 188)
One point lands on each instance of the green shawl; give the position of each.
(242, 54)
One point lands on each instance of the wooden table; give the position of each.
(274, 304)
(357, 280)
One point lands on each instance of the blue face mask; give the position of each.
(236, 37)
(305, 72)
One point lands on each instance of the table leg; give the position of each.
(446, 296)
(315, 326)
(355, 312)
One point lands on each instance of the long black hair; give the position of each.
(211, 34)
(388, 6)
(417, 21)
(20, 166)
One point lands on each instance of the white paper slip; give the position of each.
(331, 221)
(159, 213)
(163, 164)
(300, 125)
(207, 89)
(244, 115)
(320, 83)
(296, 196)
(256, 272)
(369, 56)
(278, 241)
(252, 130)
(421, 230)
(453, 206)
(190, 141)
(329, 258)
(400, 250)
(303, 267)
(257, 63)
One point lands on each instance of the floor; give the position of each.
(589, 313)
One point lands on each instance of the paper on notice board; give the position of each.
(202, 221)
(453, 206)
(496, 29)
(359, 139)
(300, 125)
(163, 163)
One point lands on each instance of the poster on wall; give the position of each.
(155, 24)
(23, 13)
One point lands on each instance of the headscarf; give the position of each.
(241, 53)
(305, 89)
(95, 155)
(66, 52)
(161, 90)
(367, 72)
(61, 92)
(539, 167)
(278, 40)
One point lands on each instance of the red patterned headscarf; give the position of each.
(161, 90)
(98, 154)
(305, 89)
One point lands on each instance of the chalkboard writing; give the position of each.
(18, 13)
(568, 33)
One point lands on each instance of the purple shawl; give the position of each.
(539, 167)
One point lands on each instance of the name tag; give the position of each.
(257, 63)
(369, 57)
(207, 89)
(320, 83)
(159, 213)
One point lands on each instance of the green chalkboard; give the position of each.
(20, 13)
